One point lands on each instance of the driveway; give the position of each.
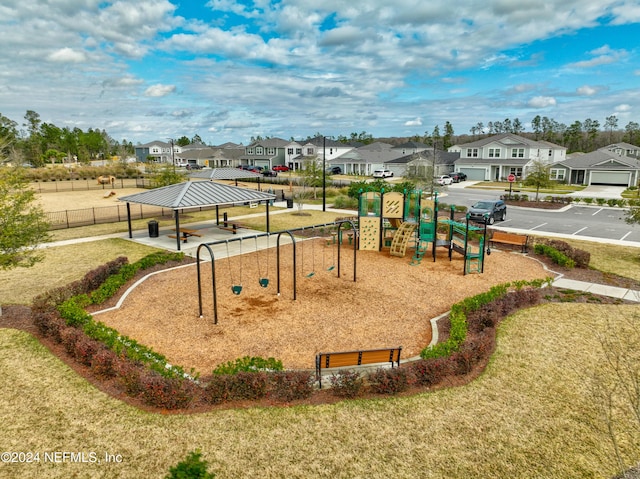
(600, 191)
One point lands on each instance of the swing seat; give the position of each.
(311, 274)
(331, 268)
(264, 282)
(236, 289)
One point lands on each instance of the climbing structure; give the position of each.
(401, 239)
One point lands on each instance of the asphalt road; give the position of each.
(592, 223)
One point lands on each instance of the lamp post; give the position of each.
(324, 173)
(173, 159)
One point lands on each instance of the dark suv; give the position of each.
(493, 209)
(458, 176)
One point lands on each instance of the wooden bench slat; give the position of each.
(356, 358)
(510, 238)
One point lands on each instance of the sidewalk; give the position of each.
(601, 289)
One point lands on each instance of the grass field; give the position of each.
(533, 413)
(530, 414)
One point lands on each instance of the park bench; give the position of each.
(515, 239)
(356, 358)
(185, 234)
(233, 227)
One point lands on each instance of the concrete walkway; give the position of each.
(601, 289)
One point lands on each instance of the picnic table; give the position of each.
(185, 233)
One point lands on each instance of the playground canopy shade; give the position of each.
(195, 194)
(224, 174)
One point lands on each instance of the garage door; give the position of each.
(618, 178)
(476, 174)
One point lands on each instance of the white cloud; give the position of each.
(67, 55)
(542, 102)
(623, 108)
(159, 90)
(416, 122)
(586, 90)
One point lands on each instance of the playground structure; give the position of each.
(400, 220)
(330, 233)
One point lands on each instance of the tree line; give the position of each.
(37, 143)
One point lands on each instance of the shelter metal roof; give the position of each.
(193, 194)
(225, 174)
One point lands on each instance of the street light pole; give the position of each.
(324, 173)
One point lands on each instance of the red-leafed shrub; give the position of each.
(84, 349)
(246, 385)
(129, 376)
(49, 323)
(69, 336)
(290, 385)
(429, 372)
(103, 363)
(347, 384)
(388, 381)
(217, 389)
(166, 393)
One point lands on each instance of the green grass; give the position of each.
(531, 414)
(501, 185)
(62, 265)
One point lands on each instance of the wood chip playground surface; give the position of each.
(390, 304)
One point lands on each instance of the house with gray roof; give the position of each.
(623, 149)
(600, 167)
(365, 159)
(424, 162)
(496, 157)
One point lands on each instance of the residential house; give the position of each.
(496, 157)
(600, 167)
(366, 159)
(265, 153)
(422, 162)
(157, 152)
(223, 156)
(623, 149)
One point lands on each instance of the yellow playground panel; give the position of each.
(370, 233)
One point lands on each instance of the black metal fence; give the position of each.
(86, 184)
(104, 214)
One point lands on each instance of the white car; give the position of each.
(444, 180)
(382, 174)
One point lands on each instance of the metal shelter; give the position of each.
(196, 194)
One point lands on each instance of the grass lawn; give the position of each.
(501, 185)
(531, 414)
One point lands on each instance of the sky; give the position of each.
(146, 70)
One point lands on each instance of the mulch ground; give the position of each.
(380, 309)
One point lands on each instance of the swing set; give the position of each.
(263, 273)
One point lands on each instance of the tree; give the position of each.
(312, 174)
(611, 123)
(183, 141)
(447, 139)
(632, 133)
(165, 175)
(517, 127)
(23, 224)
(538, 176)
(536, 125)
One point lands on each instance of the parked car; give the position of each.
(255, 169)
(280, 168)
(493, 209)
(334, 170)
(443, 180)
(266, 172)
(382, 174)
(458, 176)
(194, 166)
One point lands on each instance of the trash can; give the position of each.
(289, 202)
(154, 230)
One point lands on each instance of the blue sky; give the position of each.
(153, 69)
